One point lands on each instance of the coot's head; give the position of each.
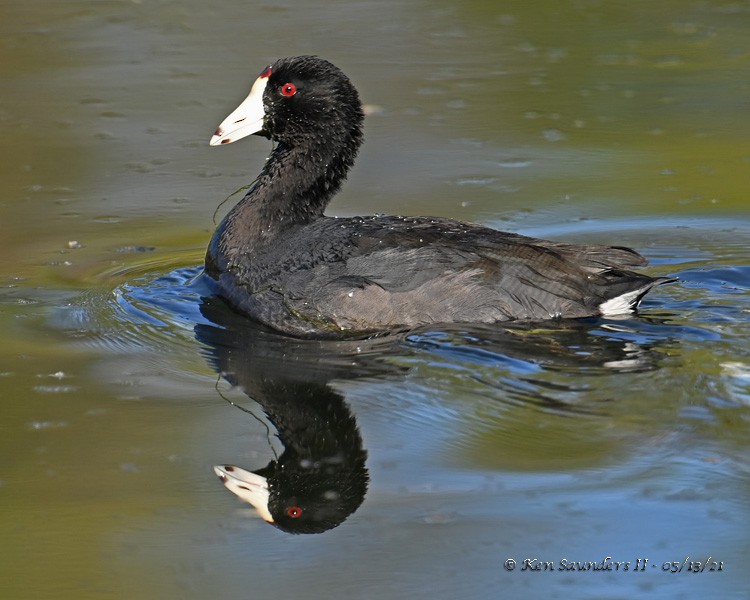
(300, 101)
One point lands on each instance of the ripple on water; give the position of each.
(627, 376)
(171, 300)
(148, 311)
(500, 381)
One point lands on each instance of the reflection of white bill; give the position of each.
(249, 486)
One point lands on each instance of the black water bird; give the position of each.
(277, 259)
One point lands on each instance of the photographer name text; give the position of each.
(639, 565)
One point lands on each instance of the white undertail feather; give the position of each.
(624, 303)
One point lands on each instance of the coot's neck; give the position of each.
(294, 188)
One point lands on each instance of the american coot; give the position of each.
(276, 258)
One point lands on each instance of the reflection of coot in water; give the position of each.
(278, 259)
(320, 478)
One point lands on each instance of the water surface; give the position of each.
(599, 122)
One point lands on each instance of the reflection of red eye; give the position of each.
(288, 89)
(294, 511)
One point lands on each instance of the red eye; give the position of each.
(294, 511)
(288, 90)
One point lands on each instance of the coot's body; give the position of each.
(278, 259)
